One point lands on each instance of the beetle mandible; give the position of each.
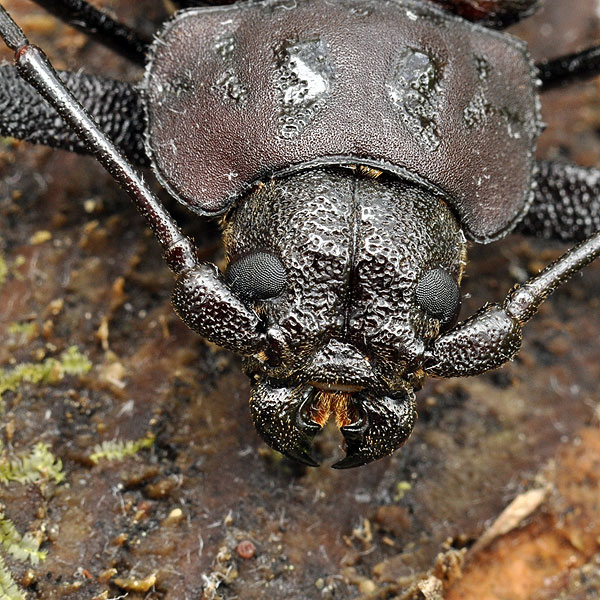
(351, 149)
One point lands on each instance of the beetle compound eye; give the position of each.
(256, 276)
(438, 294)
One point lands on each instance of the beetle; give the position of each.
(345, 215)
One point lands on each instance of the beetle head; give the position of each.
(352, 277)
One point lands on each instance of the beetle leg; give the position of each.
(194, 3)
(493, 13)
(493, 335)
(281, 417)
(384, 424)
(199, 285)
(566, 203)
(99, 26)
(35, 68)
(571, 67)
(115, 105)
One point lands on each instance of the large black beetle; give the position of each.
(352, 149)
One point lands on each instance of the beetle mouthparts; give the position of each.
(327, 403)
(383, 425)
(280, 415)
(288, 418)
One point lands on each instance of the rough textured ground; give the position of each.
(78, 268)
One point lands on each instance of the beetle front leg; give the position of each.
(100, 26)
(492, 336)
(115, 105)
(493, 13)
(566, 203)
(208, 306)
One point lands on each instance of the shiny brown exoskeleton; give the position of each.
(352, 149)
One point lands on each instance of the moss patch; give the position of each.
(3, 269)
(51, 370)
(8, 588)
(118, 449)
(37, 466)
(22, 547)
(24, 328)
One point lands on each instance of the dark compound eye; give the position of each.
(438, 294)
(256, 276)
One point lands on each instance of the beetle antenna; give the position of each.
(34, 67)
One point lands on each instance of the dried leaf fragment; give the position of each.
(511, 517)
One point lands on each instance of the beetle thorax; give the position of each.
(353, 245)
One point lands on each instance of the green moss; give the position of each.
(3, 269)
(8, 587)
(74, 362)
(35, 467)
(401, 488)
(51, 370)
(118, 449)
(27, 329)
(23, 548)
